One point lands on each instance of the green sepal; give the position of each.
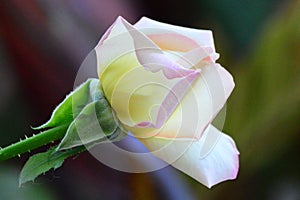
(95, 123)
(72, 105)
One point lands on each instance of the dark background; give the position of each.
(43, 43)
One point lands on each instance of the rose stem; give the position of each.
(32, 142)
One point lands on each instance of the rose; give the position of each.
(165, 88)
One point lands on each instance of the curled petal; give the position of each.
(197, 58)
(198, 107)
(171, 101)
(175, 37)
(173, 42)
(138, 79)
(122, 38)
(151, 56)
(227, 80)
(210, 160)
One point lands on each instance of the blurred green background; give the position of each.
(42, 44)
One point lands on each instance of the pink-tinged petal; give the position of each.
(210, 160)
(198, 107)
(157, 29)
(151, 56)
(173, 42)
(137, 77)
(122, 38)
(171, 101)
(113, 44)
(107, 33)
(198, 57)
(144, 99)
(155, 62)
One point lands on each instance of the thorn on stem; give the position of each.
(19, 155)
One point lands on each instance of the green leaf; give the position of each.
(43, 162)
(72, 105)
